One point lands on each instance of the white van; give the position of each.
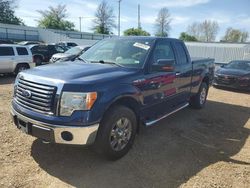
(15, 58)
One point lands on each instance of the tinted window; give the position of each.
(6, 51)
(59, 49)
(163, 50)
(72, 44)
(22, 51)
(181, 53)
(241, 65)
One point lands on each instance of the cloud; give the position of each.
(179, 20)
(179, 3)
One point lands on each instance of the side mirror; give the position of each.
(166, 65)
(222, 66)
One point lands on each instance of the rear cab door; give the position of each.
(183, 72)
(7, 57)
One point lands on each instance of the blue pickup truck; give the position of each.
(104, 96)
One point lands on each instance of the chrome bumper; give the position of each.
(56, 133)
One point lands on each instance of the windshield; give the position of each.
(125, 52)
(74, 51)
(241, 65)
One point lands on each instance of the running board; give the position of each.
(149, 123)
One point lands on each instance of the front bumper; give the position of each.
(235, 84)
(55, 133)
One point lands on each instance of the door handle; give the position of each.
(177, 74)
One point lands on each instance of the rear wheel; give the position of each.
(21, 67)
(38, 60)
(116, 133)
(199, 100)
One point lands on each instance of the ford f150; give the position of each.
(104, 96)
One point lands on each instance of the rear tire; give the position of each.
(21, 67)
(38, 61)
(117, 132)
(199, 100)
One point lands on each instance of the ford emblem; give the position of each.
(27, 93)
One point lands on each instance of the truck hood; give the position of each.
(233, 72)
(77, 72)
(61, 55)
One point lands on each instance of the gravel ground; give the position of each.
(192, 148)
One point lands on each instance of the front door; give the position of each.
(158, 86)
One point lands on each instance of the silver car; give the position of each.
(15, 58)
(69, 55)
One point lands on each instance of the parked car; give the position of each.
(6, 41)
(67, 44)
(29, 42)
(235, 74)
(15, 58)
(43, 53)
(119, 84)
(70, 54)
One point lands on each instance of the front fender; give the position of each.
(110, 96)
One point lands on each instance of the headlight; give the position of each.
(244, 78)
(72, 101)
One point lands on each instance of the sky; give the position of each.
(228, 13)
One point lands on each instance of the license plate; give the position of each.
(23, 126)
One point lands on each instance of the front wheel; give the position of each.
(20, 68)
(199, 100)
(116, 133)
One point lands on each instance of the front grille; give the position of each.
(40, 97)
(228, 80)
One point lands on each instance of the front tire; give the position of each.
(117, 132)
(21, 67)
(199, 100)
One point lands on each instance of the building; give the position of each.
(221, 52)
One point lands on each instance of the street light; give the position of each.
(119, 16)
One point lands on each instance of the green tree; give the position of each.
(7, 14)
(162, 23)
(235, 35)
(54, 18)
(136, 32)
(186, 37)
(104, 20)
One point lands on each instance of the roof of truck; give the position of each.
(146, 37)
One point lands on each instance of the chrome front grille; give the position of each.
(35, 96)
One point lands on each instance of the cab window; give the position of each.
(6, 51)
(163, 50)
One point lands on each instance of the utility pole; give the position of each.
(119, 16)
(139, 17)
(80, 22)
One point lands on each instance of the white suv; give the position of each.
(15, 58)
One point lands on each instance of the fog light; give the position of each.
(67, 136)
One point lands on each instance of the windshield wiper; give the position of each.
(83, 60)
(107, 62)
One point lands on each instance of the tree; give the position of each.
(186, 37)
(7, 14)
(162, 23)
(235, 35)
(205, 31)
(104, 20)
(210, 30)
(136, 32)
(54, 18)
